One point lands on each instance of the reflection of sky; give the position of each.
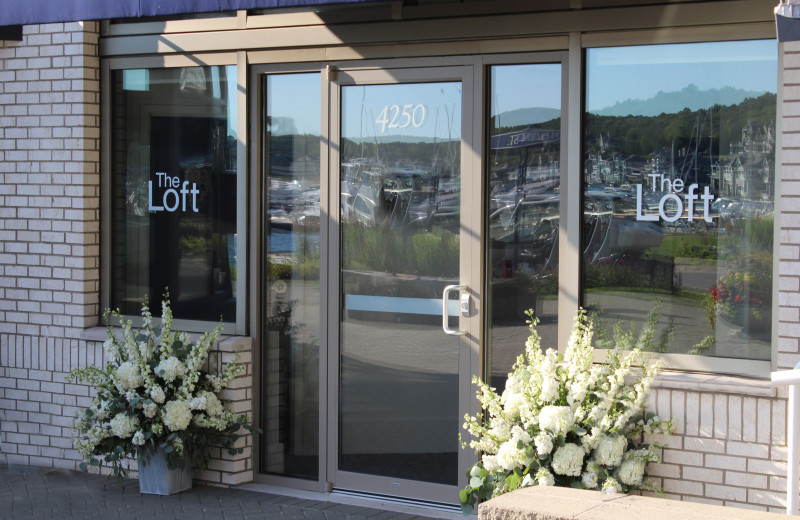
(434, 110)
(294, 102)
(233, 114)
(525, 86)
(621, 73)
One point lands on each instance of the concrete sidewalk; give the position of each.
(28, 492)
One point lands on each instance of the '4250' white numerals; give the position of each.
(394, 116)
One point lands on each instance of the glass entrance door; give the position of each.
(404, 344)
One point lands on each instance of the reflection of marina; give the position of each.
(375, 194)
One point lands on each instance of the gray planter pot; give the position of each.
(156, 478)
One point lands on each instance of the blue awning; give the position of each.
(27, 12)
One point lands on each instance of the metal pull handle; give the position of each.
(445, 294)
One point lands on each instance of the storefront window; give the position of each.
(173, 183)
(523, 203)
(679, 184)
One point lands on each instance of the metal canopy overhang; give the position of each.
(27, 12)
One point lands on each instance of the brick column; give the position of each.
(49, 235)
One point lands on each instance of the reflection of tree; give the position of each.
(652, 133)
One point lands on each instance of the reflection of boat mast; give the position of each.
(363, 102)
(375, 133)
(435, 133)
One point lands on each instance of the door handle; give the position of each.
(445, 294)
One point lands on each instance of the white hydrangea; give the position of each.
(150, 410)
(206, 401)
(589, 479)
(170, 369)
(568, 460)
(128, 376)
(157, 394)
(631, 471)
(213, 404)
(198, 403)
(544, 444)
(557, 419)
(509, 456)
(610, 449)
(177, 415)
(123, 425)
(138, 438)
(544, 477)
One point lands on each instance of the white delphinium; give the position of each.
(610, 449)
(100, 409)
(568, 460)
(128, 376)
(123, 425)
(157, 394)
(177, 415)
(111, 350)
(170, 369)
(544, 477)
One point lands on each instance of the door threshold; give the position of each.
(360, 499)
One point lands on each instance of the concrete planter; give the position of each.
(155, 478)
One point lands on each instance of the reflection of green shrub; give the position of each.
(697, 245)
(194, 243)
(390, 250)
(277, 271)
(631, 272)
(436, 253)
(753, 234)
(543, 283)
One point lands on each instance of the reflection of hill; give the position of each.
(644, 135)
(690, 97)
(526, 116)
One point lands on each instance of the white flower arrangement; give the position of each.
(156, 393)
(565, 421)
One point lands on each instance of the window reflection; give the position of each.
(678, 196)
(290, 392)
(523, 208)
(174, 190)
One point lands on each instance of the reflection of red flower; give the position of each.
(738, 297)
(714, 292)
